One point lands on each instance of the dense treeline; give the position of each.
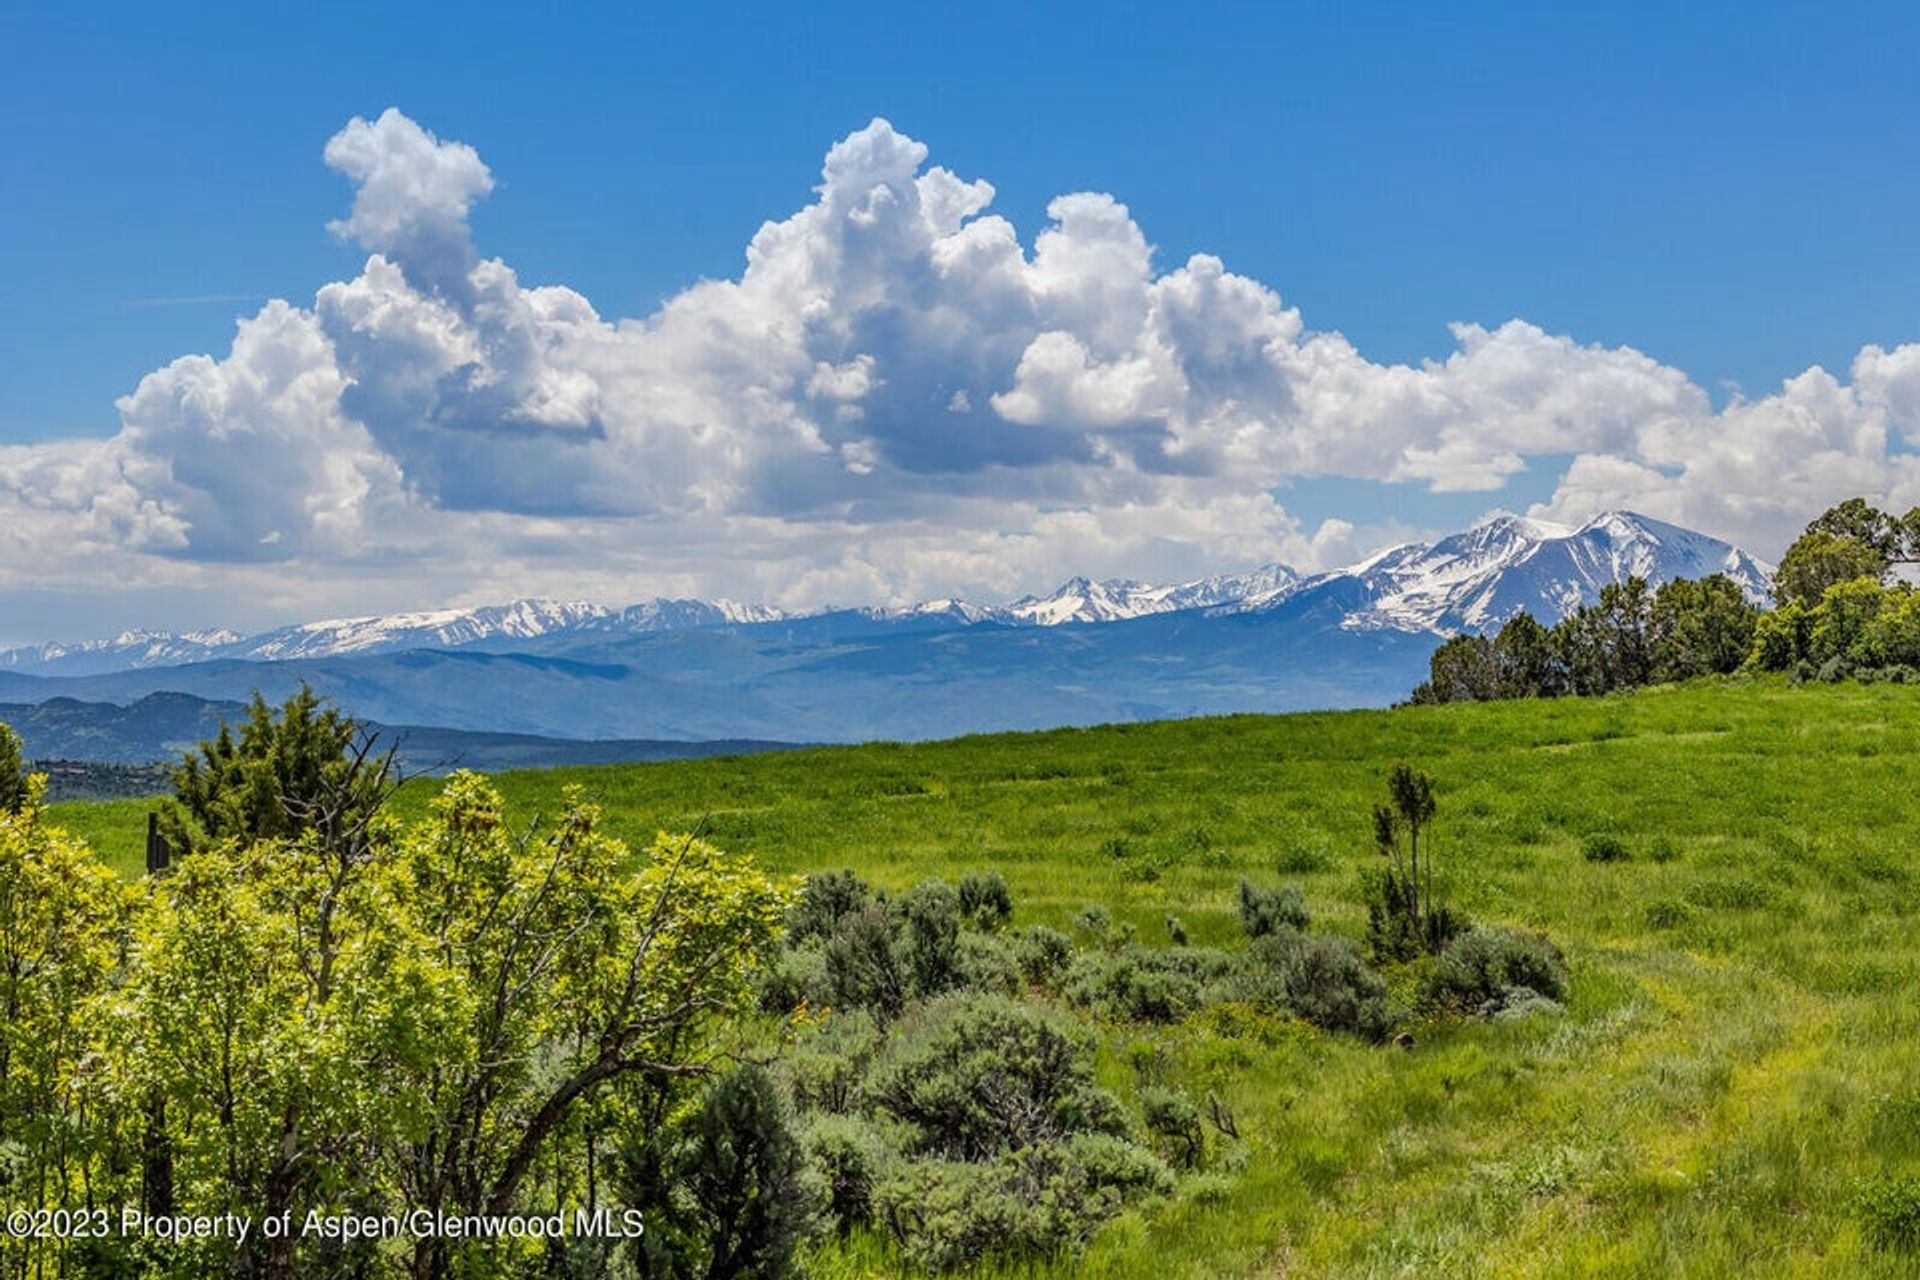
(1838, 612)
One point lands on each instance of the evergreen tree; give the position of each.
(1703, 627)
(726, 1193)
(13, 774)
(307, 768)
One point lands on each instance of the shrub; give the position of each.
(1889, 1209)
(1042, 954)
(945, 1215)
(1399, 930)
(1265, 911)
(827, 898)
(849, 1158)
(1483, 965)
(978, 1075)
(988, 964)
(1317, 979)
(1096, 922)
(930, 937)
(1109, 1162)
(864, 966)
(795, 978)
(1038, 1204)
(1602, 847)
(824, 1068)
(1174, 1122)
(1122, 987)
(985, 901)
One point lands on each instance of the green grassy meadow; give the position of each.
(1737, 1057)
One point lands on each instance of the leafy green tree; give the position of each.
(434, 1023)
(1841, 622)
(1701, 627)
(1607, 646)
(1893, 636)
(1819, 560)
(62, 930)
(308, 767)
(13, 773)
(1781, 637)
(1852, 539)
(1860, 521)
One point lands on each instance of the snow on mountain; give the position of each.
(438, 628)
(1477, 579)
(1472, 580)
(128, 649)
(381, 633)
(1082, 600)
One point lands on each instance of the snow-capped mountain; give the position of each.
(381, 633)
(126, 650)
(1471, 580)
(1477, 579)
(1082, 600)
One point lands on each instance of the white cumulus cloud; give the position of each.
(894, 397)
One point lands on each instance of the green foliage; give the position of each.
(1141, 984)
(973, 1076)
(848, 1158)
(1486, 966)
(865, 968)
(930, 937)
(826, 898)
(419, 1017)
(728, 1198)
(13, 773)
(1404, 915)
(1889, 1209)
(1700, 628)
(1819, 561)
(1041, 1203)
(985, 901)
(824, 1069)
(1321, 980)
(1043, 954)
(1265, 911)
(1781, 638)
(1175, 1124)
(306, 768)
(1605, 847)
(62, 929)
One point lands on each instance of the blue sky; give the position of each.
(1724, 188)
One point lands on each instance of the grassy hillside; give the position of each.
(1736, 1059)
